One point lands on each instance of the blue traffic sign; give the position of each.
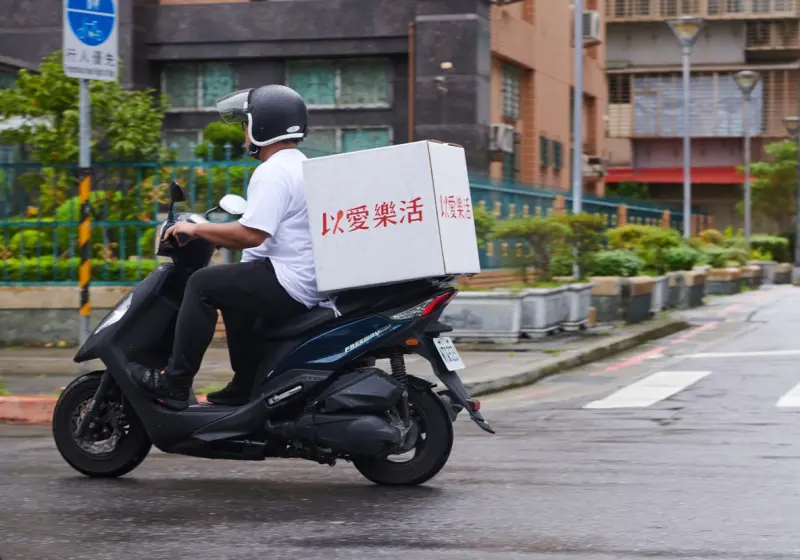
(92, 21)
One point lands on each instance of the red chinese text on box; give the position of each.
(455, 207)
(384, 215)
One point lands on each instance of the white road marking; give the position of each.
(650, 390)
(760, 354)
(790, 399)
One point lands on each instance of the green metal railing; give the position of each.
(39, 214)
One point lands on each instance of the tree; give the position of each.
(543, 234)
(220, 134)
(775, 184)
(126, 124)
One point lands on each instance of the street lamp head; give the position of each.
(747, 80)
(686, 29)
(792, 126)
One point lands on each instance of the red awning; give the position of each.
(703, 175)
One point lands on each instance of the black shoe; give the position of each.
(158, 383)
(231, 395)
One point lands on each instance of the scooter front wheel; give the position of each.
(114, 442)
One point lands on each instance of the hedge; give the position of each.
(48, 269)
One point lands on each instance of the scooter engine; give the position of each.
(360, 435)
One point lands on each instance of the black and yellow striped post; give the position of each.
(84, 244)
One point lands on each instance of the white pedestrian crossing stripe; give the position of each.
(790, 399)
(650, 390)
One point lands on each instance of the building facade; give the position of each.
(645, 110)
(374, 72)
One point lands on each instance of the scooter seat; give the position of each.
(296, 326)
(362, 300)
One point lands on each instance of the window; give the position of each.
(325, 141)
(183, 142)
(619, 88)
(510, 162)
(544, 152)
(364, 83)
(7, 80)
(511, 89)
(197, 86)
(558, 156)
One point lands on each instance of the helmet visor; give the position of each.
(233, 107)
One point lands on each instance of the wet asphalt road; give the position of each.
(709, 472)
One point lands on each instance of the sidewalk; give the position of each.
(40, 374)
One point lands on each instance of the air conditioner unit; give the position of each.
(592, 29)
(502, 138)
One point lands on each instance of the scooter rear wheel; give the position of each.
(430, 452)
(113, 446)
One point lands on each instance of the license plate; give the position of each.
(450, 356)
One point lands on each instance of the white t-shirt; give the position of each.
(276, 205)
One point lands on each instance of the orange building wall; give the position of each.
(536, 35)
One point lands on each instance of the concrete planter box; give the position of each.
(751, 276)
(544, 310)
(658, 301)
(606, 297)
(693, 289)
(494, 316)
(674, 284)
(724, 281)
(579, 298)
(783, 273)
(767, 270)
(637, 296)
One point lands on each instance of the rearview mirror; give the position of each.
(176, 192)
(233, 204)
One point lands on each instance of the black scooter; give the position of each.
(318, 394)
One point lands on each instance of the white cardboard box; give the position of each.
(390, 215)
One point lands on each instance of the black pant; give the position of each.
(244, 292)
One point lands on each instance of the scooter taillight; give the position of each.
(439, 301)
(424, 308)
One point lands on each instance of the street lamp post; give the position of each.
(793, 127)
(686, 29)
(747, 81)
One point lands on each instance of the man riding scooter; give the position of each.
(275, 280)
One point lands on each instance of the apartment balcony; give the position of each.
(662, 10)
(651, 105)
(771, 40)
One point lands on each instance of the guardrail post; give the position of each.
(622, 215)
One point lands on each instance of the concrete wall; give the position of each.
(654, 44)
(42, 315)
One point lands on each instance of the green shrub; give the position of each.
(722, 257)
(561, 265)
(543, 234)
(31, 243)
(49, 269)
(681, 258)
(619, 262)
(484, 223)
(711, 237)
(649, 243)
(584, 239)
(777, 247)
(642, 237)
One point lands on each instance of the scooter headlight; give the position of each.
(116, 314)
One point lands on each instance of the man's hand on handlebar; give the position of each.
(182, 232)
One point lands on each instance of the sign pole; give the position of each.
(90, 49)
(84, 190)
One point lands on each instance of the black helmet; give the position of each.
(273, 113)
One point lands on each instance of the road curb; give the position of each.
(593, 353)
(39, 409)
